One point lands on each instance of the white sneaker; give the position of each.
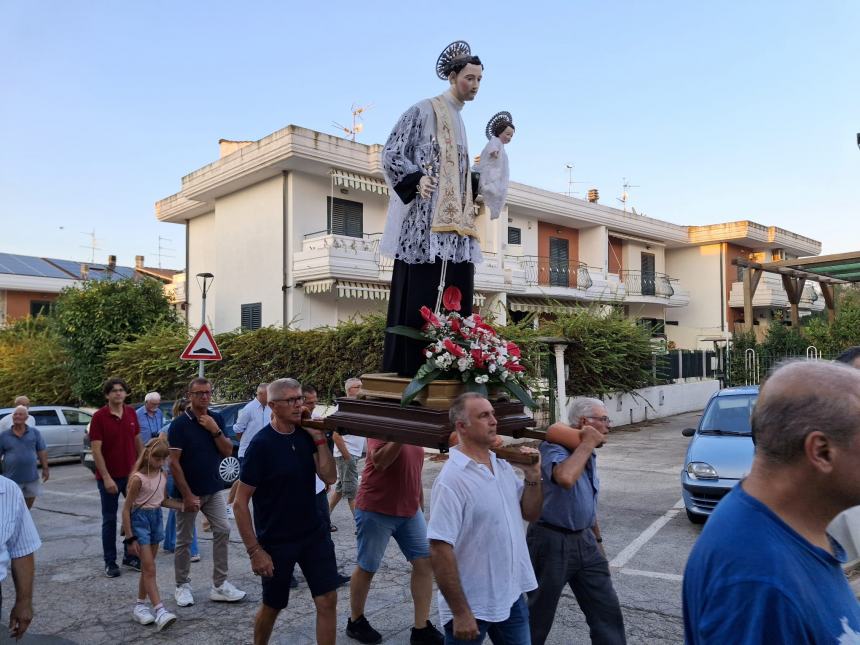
(164, 620)
(143, 615)
(183, 595)
(230, 515)
(226, 593)
(195, 558)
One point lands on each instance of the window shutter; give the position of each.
(345, 217)
(515, 235)
(252, 316)
(558, 262)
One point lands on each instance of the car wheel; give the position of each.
(229, 469)
(696, 518)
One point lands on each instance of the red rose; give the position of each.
(453, 348)
(514, 367)
(478, 320)
(429, 316)
(455, 324)
(484, 327)
(451, 298)
(478, 357)
(513, 350)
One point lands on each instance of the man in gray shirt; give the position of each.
(20, 447)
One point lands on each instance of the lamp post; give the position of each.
(204, 280)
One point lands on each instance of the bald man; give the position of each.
(764, 569)
(6, 422)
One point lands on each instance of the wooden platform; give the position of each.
(421, 426)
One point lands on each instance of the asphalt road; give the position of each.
(646, 535)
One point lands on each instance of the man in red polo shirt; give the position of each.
(116, 443)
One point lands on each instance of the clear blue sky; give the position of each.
(718, 111)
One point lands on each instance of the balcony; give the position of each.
(771, 294)
(637, 283)
(328, 256)
(542, 271)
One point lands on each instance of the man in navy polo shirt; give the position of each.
(115, 440)
(197, 446)
(278, 473)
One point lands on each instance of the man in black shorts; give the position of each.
(278, 474)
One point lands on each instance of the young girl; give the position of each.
(141, 519)
(493, 163)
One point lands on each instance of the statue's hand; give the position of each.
(426, 186)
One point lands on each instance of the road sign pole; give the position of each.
(200, 364)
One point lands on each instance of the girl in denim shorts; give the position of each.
(142, 521)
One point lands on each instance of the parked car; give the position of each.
(229, 468)
(62, 427)
(721, 451)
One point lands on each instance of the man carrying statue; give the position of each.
(430, 229)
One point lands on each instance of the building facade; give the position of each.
(290, 226)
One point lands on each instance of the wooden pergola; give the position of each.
(826, 270)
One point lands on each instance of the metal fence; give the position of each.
(751, 366)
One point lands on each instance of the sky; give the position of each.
(713, 111)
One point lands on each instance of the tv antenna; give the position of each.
(92, 246)
(570, 183)
(625, 192)
(162, 247)
(357, 125)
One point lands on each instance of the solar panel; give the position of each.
(30, 266)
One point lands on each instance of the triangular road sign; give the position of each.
(202, 347)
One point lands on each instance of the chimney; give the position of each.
(593, 195)
(228, 147)
(111, 262)
(85, 271)
(138, 262)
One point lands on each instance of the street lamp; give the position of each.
(204, 281)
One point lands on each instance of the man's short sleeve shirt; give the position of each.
(751, 578)
(395, 490)
(282, 469)
(117, 434)
(574, 508)
(18, 535)
(19, 454)
(200, 457)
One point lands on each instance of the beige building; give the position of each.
(290, 226)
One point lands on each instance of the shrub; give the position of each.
(33, 362)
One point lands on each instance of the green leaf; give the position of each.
(480, 388)
(415, 386)
(409, 332)
(518, 391)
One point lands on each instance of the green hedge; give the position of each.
(34, 363)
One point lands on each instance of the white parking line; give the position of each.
(674, 577)
(631, 549)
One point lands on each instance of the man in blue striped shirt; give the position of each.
(18, 541)
(150, 417)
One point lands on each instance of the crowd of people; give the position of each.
(494, 577)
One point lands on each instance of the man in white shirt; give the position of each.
(348, 449)
(6, 422)
(255, 416)
(477, 539)
(18, 541)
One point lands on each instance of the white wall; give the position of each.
(631, 256)
(698, 268)
(662, 401)
(202, 259)
(529, 236)
(593, 247)
(249, 242)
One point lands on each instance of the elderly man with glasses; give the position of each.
(565, 544)
(197, 446)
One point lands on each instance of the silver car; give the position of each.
(62, 427)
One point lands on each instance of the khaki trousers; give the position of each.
(214, 509)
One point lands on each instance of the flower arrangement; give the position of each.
(464, 348)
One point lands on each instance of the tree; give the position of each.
(98, 315)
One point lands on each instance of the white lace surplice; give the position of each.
(412, 148)
(493, 185)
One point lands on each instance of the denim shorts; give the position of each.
(376, 529)
(147, 525)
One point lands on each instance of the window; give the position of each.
(76, 417)
(655, 326)
(649, 276)
(40, 308)
(45, 417)
(345, 217)
(252, 316)
(559, 266)
(515, 235)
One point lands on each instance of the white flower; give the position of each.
(428, 354)
(464, 363)
(491, 368)
(482, 378)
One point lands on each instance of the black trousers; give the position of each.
(414, 286)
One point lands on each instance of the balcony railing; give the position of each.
(637, 283)
(549, 272)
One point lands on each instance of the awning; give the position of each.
(365, 290)
(540, 305)
(359, 182)
(319, 286)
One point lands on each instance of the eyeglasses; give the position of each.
(201, 393)
(289, 401)
(118, 389)
(604, 419)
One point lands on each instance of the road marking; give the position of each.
(46, 491)
(674, 577)
(633, 548)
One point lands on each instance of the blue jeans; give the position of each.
(170, 526)
(513, 631)
(110, 504)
